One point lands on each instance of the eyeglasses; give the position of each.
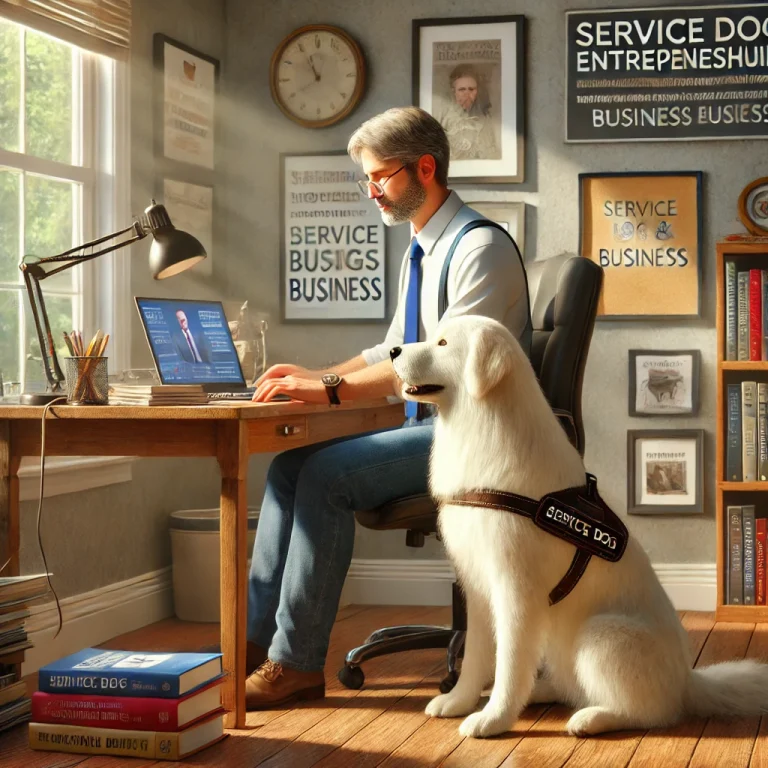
(378, 186)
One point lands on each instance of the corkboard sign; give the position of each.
(645, 231)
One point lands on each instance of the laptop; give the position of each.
(191, 343)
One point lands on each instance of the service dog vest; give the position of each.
(576, 515)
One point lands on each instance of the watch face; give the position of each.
(331, 379)
(317, 76)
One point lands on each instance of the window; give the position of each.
(62, 182)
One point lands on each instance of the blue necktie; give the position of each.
(412, 309)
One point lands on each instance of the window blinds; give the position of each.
(101, 26)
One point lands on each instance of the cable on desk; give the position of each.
(40, 510)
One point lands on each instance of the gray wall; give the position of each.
(129, 522)
(260, 133)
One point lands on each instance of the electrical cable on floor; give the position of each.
(40, 510)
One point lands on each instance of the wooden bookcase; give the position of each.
(748, 253)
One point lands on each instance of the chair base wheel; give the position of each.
(351, 677)
(449, 681)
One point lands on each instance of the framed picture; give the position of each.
(664, 383)
(753, 206)
(190, 207)
(332, 249)
(510, 215)
(664, 471)
(185, 102)
(645, 230)
(468, 74)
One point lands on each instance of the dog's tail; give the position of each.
(730, 689)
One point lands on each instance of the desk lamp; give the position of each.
(172, 251)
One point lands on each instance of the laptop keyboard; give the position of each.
(242, 395)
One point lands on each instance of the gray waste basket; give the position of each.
(196, 561)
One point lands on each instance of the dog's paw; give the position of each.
(450, 705)
(593, 720)
(482, 724)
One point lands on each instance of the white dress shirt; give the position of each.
(485, 277)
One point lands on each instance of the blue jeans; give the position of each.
(306, 533)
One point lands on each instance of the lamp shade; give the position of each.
(172, 250)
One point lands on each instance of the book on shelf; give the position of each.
(156, 745)
(746, 313)
(129, 673)
(746, 451)
(746, 581)
(136, 713)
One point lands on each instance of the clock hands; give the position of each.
(314, 71)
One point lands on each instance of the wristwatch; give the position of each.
(332, 381)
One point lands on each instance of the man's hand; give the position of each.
(298, 388)
(286, 369)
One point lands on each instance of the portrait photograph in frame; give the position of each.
(665, 471)
(664, 382)
(468, 73)
(332, 242)
(186, 82)
(645, 229)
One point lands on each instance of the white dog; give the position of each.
(614, 647)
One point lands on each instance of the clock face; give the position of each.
(317, 76)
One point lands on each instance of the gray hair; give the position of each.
(404, 134)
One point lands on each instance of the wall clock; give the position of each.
(317, 75)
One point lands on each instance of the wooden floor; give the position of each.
(384, 723)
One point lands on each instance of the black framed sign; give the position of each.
(667, 73)
(332, 249)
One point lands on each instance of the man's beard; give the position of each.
(402, 209)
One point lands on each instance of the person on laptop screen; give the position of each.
(306, 528)
(192, 348)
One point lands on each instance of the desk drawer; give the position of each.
(278, 434)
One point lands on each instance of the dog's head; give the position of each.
(467, 360)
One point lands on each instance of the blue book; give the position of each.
(95, 671)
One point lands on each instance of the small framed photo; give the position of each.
(664, 383)
(468, 74)
(510, 215)
(664, 471)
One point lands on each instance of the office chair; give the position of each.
(564, 292)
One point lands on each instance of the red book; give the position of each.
(755, 315)
(761, 527)
(134, 713)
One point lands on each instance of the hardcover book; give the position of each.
(129, 673)
(749, 430)
(136, 713)
(108, 741)
(731, 338)
(748, 532)
(735, 583)
(733, 455)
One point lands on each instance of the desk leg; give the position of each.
(233, 460)
(9, 503)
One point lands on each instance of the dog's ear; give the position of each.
(488, 362)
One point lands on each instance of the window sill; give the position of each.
(72, 474)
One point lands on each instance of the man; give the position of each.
(191, 349)
(467, 118)
(306, 528)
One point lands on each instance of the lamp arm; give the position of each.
(33, 273)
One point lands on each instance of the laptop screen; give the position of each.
(190, 341)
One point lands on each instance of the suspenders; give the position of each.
(442, 301)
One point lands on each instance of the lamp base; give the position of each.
(40, 398)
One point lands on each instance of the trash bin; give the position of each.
(196, 559)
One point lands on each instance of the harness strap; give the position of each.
(577, 515)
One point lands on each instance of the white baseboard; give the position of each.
(691, 587)
(97, 616)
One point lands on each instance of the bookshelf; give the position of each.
(749, 253)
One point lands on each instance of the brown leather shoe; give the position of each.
(273, 685)
(255, 655)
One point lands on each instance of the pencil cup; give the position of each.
(87, 382)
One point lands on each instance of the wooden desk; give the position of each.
(230, 432)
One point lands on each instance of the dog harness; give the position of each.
(576, 515)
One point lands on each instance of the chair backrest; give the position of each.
(564, 292)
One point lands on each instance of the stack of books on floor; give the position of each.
(15, 593)
(157, 394)
(162, 706)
